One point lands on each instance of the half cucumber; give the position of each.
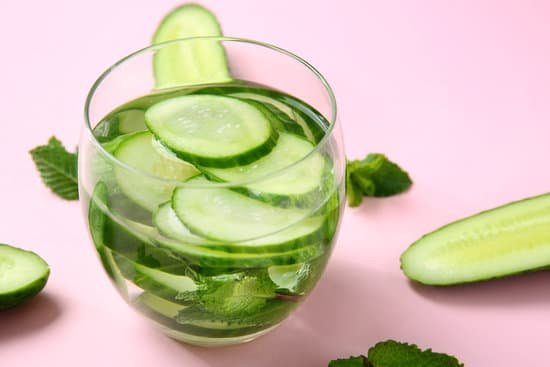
(22, 275)
(507, 240)
(138, 150)
(211, 131)
(193, 61)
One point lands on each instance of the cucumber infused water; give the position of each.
(213, 209)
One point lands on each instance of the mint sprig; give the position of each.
(375, 176)
(58, 168)
(391, 353)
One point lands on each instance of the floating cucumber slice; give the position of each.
(172, 287)
(210, 258)
(224, 215)
(166, 313)
(168, 223)
(507, 240)
(193, 61)
(126, 238)
(304, 233)
(292, 121)
(138, 151)
(211, 131)
(22, 275)
(293, 183)
(131, 121)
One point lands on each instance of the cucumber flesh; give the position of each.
(507, 240)
(138, 151)
(225, 215)
(211, 131)
(193, 61)
(298, 180)
(22, 275)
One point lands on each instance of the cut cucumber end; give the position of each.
(192, 61)
(507, 240)
(23, 274)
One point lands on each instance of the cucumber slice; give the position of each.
(172, 287)
(507, 240)
(304, 233)
(211, 131)
(22, 275)
(292, 121)
(131, 121)
(225, 215)
(166, 314)
(290, 186)
(168, 223)
(210, 258)
(193, 61)
(138, 151)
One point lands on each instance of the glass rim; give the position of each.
(89, 130)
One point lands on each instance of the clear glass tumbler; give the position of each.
(213, 256)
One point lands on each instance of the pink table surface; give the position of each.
(458, 92)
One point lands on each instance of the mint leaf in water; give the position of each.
(58, 168)
(391, 353)
(374, 176)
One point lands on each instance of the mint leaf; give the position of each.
(360, 361)
(374, 176)
(58, 168)
(391, 353)
(395, 354)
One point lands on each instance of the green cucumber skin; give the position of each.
(12, 299)
(241, 159)
(419, 242)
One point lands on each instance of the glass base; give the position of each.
(203, 341)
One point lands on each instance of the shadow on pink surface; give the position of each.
(354, 307)
(529, 289)
(30, 317)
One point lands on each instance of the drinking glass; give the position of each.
(203, 295)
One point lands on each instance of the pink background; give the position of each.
(458, 92)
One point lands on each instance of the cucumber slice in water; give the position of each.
(211, 131)
(507, 240)
(292, 120)
(304, 233)
(22, 275)
(224, 215)
(193, 61)
(211, 258)
(168, 223)
(139, 151)
(295, 182)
